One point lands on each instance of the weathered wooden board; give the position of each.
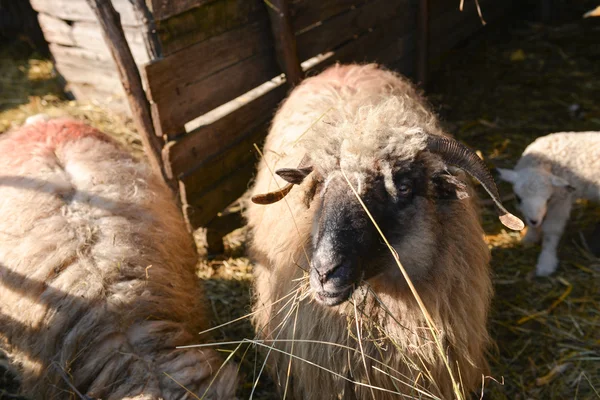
(306, 13)
(56, 30)
(345, 26)
(86, 66)
(199, 209)
(87, 35)
(203, 59)
(383, 44)
(191, 150)
(211, 19)
(212, 73)
(163, 9)
(229, 160)
(78, 10)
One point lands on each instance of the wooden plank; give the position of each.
(162, 9)
(129, 75)
(167, 75)
(344, 27)
(79, 10)
(175, 105)
(285, 41)
(228, 160)
(211, 19)
(147, 29)
(306, 13)
(56, 30)
(384, 44)
(87, 35)
(200, 209)
(207, 141)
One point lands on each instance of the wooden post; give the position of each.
(113, 34)
(151, 41)
(423, 42)
(285, 41)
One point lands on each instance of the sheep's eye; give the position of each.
(518, 199)
(404, 189)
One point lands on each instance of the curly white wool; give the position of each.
(554, 171)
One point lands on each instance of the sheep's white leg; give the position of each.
(552, 229)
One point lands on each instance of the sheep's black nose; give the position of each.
(533, 222)
(327, 271)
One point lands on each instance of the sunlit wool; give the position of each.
(97, 274)
(363, 120)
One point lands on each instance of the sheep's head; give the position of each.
(400, 193)
(533, 187)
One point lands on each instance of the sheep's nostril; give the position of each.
(533, 222)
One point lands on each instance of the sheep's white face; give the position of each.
(533, 188)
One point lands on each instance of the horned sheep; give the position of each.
(360, 130)
(551, 174)
(97, 276)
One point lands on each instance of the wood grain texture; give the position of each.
(211, 19)
(305, 13)
(285, 41)
(129, 75)
(228, 161)
(79, 10)
(384, 44)
(191, 150)
(344, 27)
(163, 9)
(201, 208)
(187, 84)
(88, 36)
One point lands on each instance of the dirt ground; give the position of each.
(515, 81)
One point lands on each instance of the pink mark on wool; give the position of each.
(44, 137)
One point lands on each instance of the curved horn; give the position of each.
(272, 197)
(461, 156)
(294, 176)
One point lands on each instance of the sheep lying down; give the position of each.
(552, 173)
(97, 282)
(331, 302)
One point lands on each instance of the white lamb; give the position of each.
(554, 171)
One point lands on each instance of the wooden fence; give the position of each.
(222, 67)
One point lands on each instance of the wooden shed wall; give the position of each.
(236, 52)
(219, 74)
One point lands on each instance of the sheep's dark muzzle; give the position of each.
(331, 282)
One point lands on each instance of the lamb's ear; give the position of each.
(508, 175)
(557, 181)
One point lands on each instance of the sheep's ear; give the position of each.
(294, 176)
(557, 181)
(508, 175)
(448, 186)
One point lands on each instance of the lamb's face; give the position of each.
(346, 245)
(533, 189)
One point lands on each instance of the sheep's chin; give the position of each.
(331, 299)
